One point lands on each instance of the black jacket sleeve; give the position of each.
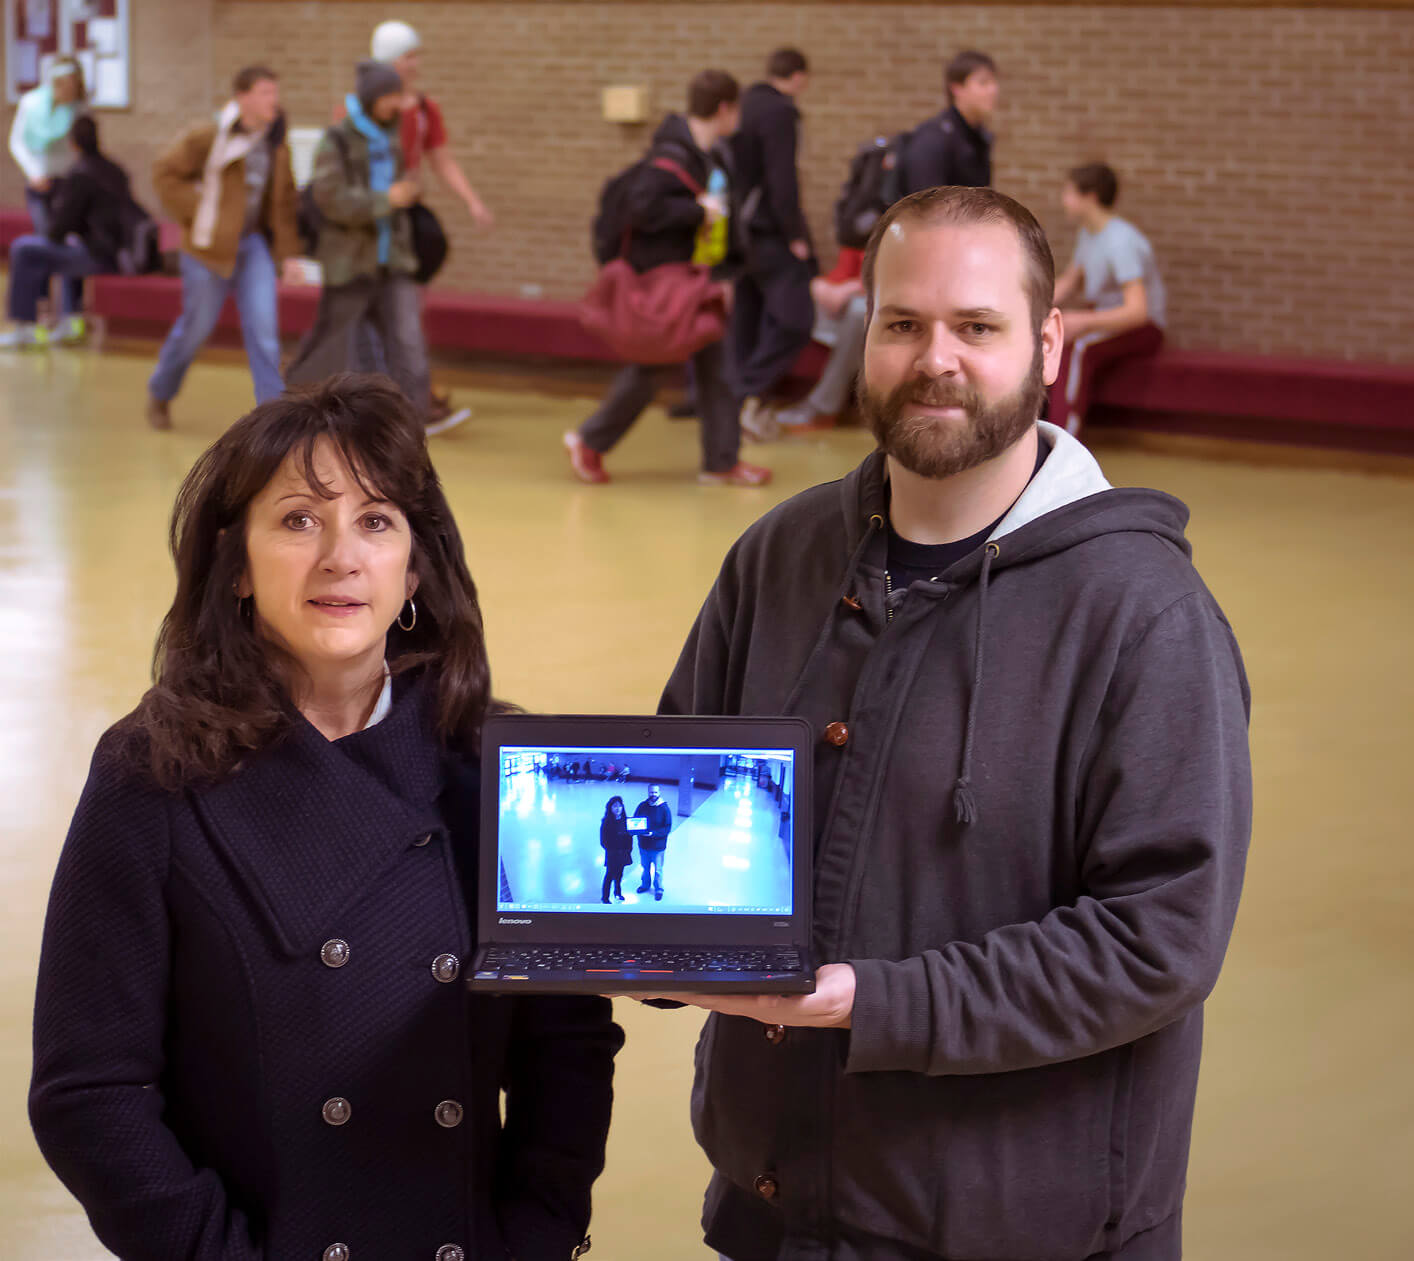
(559, 1093)
(780, 183)
(100, 1015)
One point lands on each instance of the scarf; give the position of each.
(46, 123)
(382, 167)
(228, 146)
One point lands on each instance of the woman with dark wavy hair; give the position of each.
(250, 1039)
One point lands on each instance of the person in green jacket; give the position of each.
(365, 242)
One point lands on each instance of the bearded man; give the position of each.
(1031, 814)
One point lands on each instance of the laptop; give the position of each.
(706, 887)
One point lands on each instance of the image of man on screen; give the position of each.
(653, 843)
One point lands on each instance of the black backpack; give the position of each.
(139, 250)
(308, 217)
(611, 222)
(874, 183)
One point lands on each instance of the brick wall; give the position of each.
(1265, 151)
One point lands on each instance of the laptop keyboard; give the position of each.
(649, 960)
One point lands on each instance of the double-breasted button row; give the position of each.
(775, 1034)
(447, 1252)
(448, 1113)
(766, 1186)
(837, 733)
(446, 968)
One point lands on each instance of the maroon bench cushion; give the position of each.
(1195, 382)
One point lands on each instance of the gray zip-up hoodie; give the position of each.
(1029, 845)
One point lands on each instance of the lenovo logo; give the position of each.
(503, 920)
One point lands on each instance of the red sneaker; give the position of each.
(588, 464)
(740, 474)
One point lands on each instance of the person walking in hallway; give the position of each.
(231, 186)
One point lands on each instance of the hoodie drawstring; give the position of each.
(842, 596)
(964, 802)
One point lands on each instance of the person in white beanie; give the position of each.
(424, 134)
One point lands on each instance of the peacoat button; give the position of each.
(337, 1110)
(837, 733)
(446, 968)
(766, 1186)
(334, 952)
(336, 1252)
(450, 1252)
(423, 840)
(775, 1034)
(449, 1114)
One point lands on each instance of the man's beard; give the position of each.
(932, 447)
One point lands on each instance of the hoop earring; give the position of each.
(412, 623)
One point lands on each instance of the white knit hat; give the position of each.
(392, 39)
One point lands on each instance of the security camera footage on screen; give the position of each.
(686, 831)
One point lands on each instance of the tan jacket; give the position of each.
(177, 175)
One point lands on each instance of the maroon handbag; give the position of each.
(664, 315)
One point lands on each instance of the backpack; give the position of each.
(874, 183)
(611, 222)
(308, 217)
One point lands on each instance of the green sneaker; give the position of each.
(71, 329)
(24, 337)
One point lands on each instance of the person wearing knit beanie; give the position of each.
(392, 40)
(373, 80)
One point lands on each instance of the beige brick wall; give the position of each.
(1265, 151)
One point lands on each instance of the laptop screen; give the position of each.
(688, 831)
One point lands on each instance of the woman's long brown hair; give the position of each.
(219, 691)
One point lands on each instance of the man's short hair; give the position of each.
(785, 62)
(84, 134)
(964, 206)
(709, 91)
(961, 66)
(1096, 178)
(250, 76)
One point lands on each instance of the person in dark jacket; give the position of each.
(250, 1039)
(84, 236)
(1032, 803)
(672, 211)
(653, 843)
(617, 844)
(365, 243)
(773, 313)
(955, 146)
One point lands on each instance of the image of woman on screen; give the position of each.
(618, 848)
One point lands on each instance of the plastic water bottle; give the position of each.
(712, 241)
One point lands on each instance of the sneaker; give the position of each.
(24, 337)
(802, 418)
(441, 416)
(71, 330)
(757, 422)
(740, 474)
(158, 414)
(588, 464)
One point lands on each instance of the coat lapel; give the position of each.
(309, 825)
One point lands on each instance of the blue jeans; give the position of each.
(71, 296)
(33, 261)
(203, 296)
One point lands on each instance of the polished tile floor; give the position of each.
(1304, 1143)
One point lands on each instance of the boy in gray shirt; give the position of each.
(1115, 275)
